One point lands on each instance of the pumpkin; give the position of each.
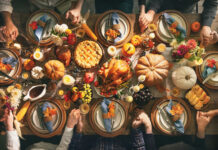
(195, 27)
(154, 67)
(128, 49)
(184, 77)
(136, 40)
(54, 69)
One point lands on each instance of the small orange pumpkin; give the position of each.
(195, 27)
(136, 40)
(128, 49)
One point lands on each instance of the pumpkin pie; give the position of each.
(88, 54)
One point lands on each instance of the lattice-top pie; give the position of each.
(88, 54)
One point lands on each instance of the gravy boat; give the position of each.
(40, 95)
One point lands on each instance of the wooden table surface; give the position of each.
(20, 21)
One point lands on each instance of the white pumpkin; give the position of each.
(184, 77)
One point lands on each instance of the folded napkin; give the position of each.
(39, 30)
(108, 113)
(208, 70)
(10, 60)
(170, 20)
(178, 124)
(48, 112)
(116, 21)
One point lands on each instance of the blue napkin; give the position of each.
(48, 124)
(104, 107)
(170, 20)
(116, 20)
(208, 70)
(39, 30)
(10, 60)
(178, 124)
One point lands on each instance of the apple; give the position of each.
(89, 77)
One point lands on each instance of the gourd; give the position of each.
(128, 49)
(195, 27)
(154, 67)
(23, 111)
(54, 69)
(136, 40)
(184, 77)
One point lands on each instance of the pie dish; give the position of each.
(88, 54)
(158, 121)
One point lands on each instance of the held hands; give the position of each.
(202, 121)
(11, 31)
(74, 15)
(143, 118)
(205, 35)
(145, 19)
(73, 118)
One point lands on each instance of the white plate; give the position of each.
(163, 33)
(36, 123)
(119, 117)
(164, 126)
(124, 26)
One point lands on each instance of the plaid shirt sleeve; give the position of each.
(5, 5)
(138, 142)
(75, 143)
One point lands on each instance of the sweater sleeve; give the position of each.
(155, 5)
(5, 5)
(199, 143)
(209, 12)
(66, 138)
(75, 143)
(150, 142)
(13, 142)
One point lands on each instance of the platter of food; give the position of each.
(174, 123)
(10, 65)
(112, 76)
(207, 72)
(114, 28)
(164, 32)
(46, 118)
(39, 26)
(117, 123)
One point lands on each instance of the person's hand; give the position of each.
(202, 122)
(79, 127)
(210, 114)
(145, 19)
(2, 36)
(11, 31)
(8, 120)
(205, 35)
(214, 37)
(74, 15)
(73, 118)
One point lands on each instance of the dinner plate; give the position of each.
(161, 124)
(96, 121)
(213, 82)
(103, 24)
(38, 128)
(16, 70)
(50, 14)
(162, 32)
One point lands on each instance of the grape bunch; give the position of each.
(142, 97)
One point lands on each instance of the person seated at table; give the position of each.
(11, 31)
(140, 140)
(13, 143)
(185, 6)
(203, 119)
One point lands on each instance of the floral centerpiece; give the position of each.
(61, 34)
(188, 51)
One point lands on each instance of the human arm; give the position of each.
(208, 15)
(202, 122)
(68, 132)
(12, 139)
(74, 12)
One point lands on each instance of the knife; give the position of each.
(5, 75)
(166, 26)
(209, 77)
(163, 113)
(86, 16)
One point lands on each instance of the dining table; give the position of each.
(20, 21)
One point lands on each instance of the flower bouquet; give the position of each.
(188, 51)
(61, 34)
